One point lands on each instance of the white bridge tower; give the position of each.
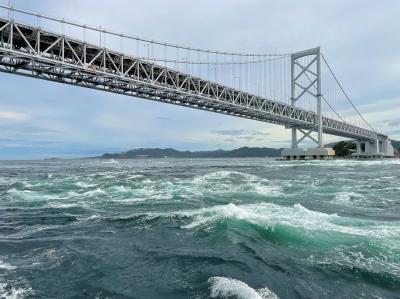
(306, 82)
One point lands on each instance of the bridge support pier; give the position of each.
(308, 154)
(358, 147)
(374, 149)
(387, 148)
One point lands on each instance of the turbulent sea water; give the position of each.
(201, 228)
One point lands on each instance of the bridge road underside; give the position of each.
(33, 52)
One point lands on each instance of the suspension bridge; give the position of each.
(297, 90)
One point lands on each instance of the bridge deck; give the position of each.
(33, 52)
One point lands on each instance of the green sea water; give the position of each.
(200, 228)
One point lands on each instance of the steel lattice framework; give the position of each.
(33, 52)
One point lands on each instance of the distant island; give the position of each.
(243, 152)
(342, 148)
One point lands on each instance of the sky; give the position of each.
(41, 119)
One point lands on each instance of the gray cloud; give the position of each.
(240, 133)
(30, 130)
(230, 140)
(229, 132)
(393, 122)
(164, 118)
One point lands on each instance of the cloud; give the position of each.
(393, 122)
(164, 118)
(240, 136)
(239, 132)
(230, 140)
(229, 132)
(13, 116)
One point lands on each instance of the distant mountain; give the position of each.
(243, 152)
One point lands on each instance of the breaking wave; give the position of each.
(273, 217)
(6, 266)
(223, 287)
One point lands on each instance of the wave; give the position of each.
(286, 222)
(341, 163)
(94, 192)
(211, 184)
(381, 268)
(10, 291)
(85, 185)
(374, 200)
(16, 191)
(6, 266)
(60, 205)
(272, 216)
(234, 182)
(38, 194)
(138, 188)
(223, 287)
(347, 197)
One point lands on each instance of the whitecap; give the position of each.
(64, 205)
(267, 190)
(130, 200)
(268, 215)
(121, 188)
(224, 174)
(234, 182)
(85, 185)
(95, 192)
(224, 287)
(135, 176)
(353, 257)
(15, 191)
(93, 217)
(8, 291)
(6, 266)
(346, 197)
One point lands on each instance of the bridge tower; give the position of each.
(306, 82)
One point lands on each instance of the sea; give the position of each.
(200, 228)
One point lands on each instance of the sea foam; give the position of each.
(8, 291)
(224, 287)
(6, 266)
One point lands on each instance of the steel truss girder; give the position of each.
(33, 52)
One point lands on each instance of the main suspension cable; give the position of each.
(345, 94)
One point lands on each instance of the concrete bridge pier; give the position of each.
(373, 149)
(377, 147)
(358, 147)
(387, 148)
